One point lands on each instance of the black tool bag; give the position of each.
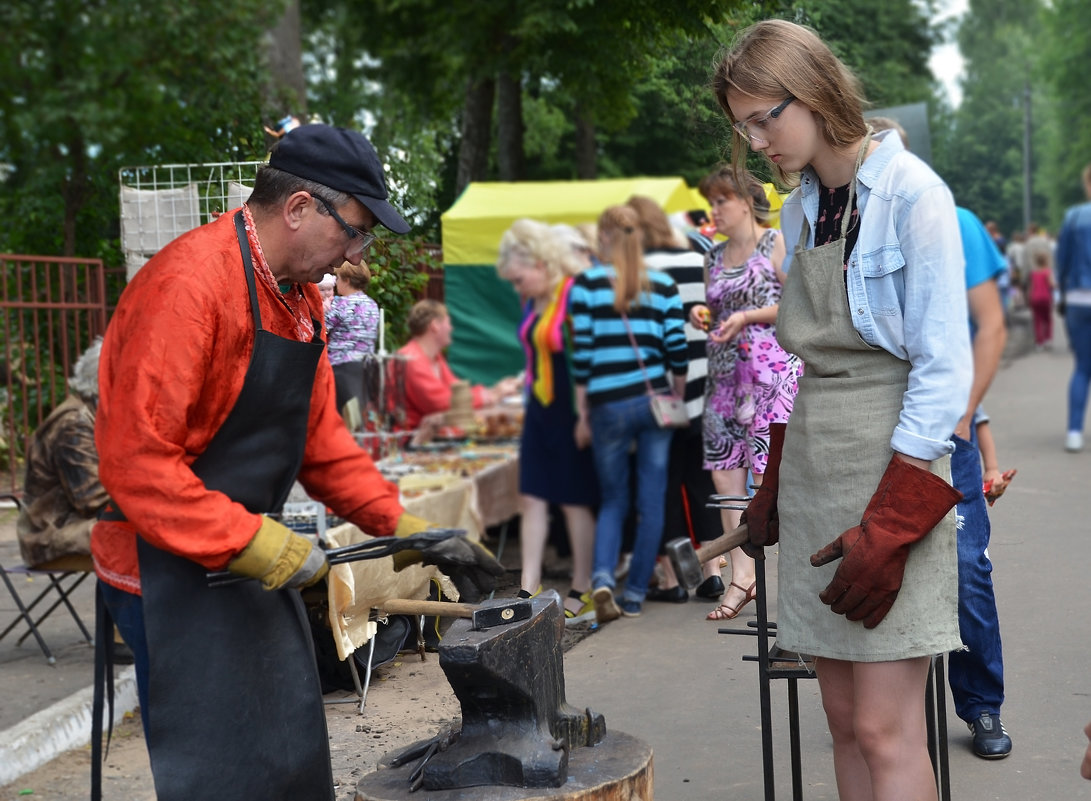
(336, 674)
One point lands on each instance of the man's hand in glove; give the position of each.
(468, 564)
(278, 557)
(908, 504)
(761, 516)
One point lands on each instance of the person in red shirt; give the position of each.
(215, 397)
(428, 378)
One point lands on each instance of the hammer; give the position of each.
(687, 561)
(485, 616)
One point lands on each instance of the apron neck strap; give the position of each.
(248, 268)
(852, 184)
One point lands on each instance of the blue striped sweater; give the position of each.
(603, 358)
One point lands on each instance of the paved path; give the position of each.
(670, 679)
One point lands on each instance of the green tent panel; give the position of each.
(484, 309)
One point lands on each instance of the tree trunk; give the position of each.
(284, 47)
(586, 149)
(473, 150)
(75, 192)
(509, 128)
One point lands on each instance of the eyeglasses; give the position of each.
(366, 237)
(756, 131)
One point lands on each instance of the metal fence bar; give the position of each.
(51, 308)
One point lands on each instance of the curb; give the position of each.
(66, 725)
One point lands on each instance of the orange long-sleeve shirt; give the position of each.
(428, 385)
(173, 363)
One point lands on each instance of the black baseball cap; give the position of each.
(341, 159)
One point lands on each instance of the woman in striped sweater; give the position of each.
(615, 305)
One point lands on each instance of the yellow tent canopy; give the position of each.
(473, 226)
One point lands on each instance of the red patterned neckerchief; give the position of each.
(293, 299)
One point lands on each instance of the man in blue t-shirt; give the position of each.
(977, 673)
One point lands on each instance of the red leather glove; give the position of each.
(761, 516)
(908, 504)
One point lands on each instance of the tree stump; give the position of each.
(617, 769)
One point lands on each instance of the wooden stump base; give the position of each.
(617, 769)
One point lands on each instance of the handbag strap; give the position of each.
(636, 350)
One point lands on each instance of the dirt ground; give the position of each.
(407, 700)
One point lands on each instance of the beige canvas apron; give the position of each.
(836, 448)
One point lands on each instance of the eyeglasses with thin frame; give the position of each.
(756, 132)
(366, 237)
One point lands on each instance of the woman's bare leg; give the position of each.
(875, 711)
(533, 531)
(733, 482)
(581, 537)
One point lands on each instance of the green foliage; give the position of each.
(399, 274)
(981, 157)
(1062, 73)
(887, 45)
(89, 86)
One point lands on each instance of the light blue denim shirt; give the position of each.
(906, 286)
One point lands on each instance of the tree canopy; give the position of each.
(535, 89)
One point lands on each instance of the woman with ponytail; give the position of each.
(628, 334)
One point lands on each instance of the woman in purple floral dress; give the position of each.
(752, 381)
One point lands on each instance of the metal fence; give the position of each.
(51, 309)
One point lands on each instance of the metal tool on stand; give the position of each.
(687, 560)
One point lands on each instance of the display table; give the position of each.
(465, 487)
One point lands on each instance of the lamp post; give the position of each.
(1026, 156)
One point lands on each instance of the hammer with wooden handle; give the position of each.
(686, 560)
(485, 616)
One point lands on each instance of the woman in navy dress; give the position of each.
(552, 469)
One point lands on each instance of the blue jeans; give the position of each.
(1077, 321)
(614, 427)
(977, 674)
(127, 610)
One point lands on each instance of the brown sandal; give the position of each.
(725, 612)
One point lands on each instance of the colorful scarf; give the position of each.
(547, 338)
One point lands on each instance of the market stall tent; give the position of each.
(484, 309)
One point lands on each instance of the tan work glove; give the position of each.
(278, 557)
(471, 566)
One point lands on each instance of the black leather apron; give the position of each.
(235, 706)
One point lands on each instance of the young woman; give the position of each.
(752, 381)
(615, 305)
(874, 304)
(552, 469)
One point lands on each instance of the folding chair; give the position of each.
(62, 577)
(776, 663)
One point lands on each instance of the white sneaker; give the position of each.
(1073, 442)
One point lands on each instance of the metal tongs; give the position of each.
(371, 549)
(735, 502)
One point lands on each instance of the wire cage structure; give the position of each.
(162, 202)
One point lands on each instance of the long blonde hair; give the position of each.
(621, 225)
(777, 58)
